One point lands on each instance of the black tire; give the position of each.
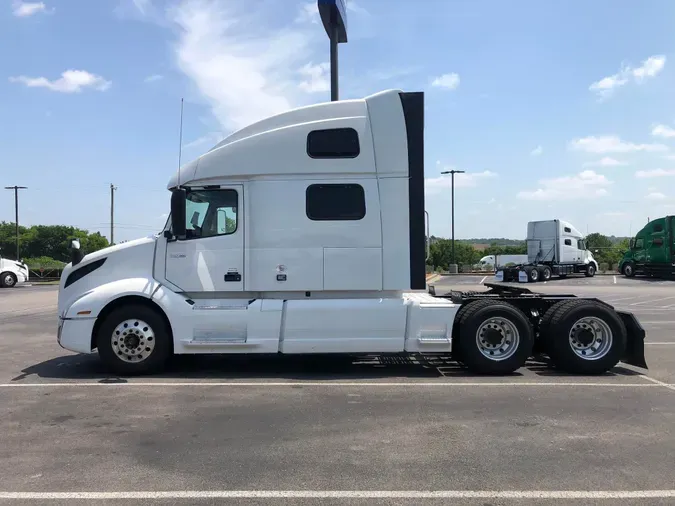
(590, 270)
(628, 270)
(545, 273)
(472, 317)
(557, 325)
(533, 274)
(158, 355)
(8, 280)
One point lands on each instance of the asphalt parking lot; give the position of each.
(215, 430)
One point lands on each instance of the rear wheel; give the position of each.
(546, 273)
(583, 336)
(494, 337)
(533, 274)
(7, 279)
(134, 339)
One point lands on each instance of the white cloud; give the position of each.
(316, 77)
(663, 131)
(643, 174)
(25, 9)
(352, 6)
(153, 78)
(669, 157)
(71, 81)
(650, 67)
(605, 162)
(212, 138)
(586, 184)
(436, 184)
(611, 144)
(244, 72)
(308, 13)
(655, 196)
(142, 5)
(537, 151)
(447, 81)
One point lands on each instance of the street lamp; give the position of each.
(452, 185)
(334, 18)
(16, 216)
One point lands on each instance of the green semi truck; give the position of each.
(652, 250)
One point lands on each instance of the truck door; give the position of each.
(211, 257)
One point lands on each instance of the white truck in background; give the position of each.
(12, 273)
(554, 248)
(304, 233)
(497, 261)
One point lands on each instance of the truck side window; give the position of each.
(335, 202)
(568, 230)
(568, 242)
(657, 241)
(210, 213)
(639, 243)
(658, 228)
(333, 143)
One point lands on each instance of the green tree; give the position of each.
(48, 241)
(441, 253)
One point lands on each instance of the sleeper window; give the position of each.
(333, 143)
(335, 202)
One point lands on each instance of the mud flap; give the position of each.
(635, 345)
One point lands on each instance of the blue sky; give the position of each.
(554, 109)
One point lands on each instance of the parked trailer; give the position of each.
(304, 234)
(555, 248)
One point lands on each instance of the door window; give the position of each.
(210, 213)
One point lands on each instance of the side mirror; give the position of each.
(178, 198)
(76, 254)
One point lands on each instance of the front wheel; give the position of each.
(583, 336)
(7, 279)
(494, 337)
(134, 339)
(590, 270)
(628, 270)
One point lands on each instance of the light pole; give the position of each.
(452, 186)
(16, 216)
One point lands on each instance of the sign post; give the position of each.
(334, 18)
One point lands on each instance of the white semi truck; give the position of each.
(554, 248)
(305, 233)
(12, 273)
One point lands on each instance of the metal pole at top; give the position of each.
(334, 91)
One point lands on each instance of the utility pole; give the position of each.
(112, 213)
(452, 185)
(16, 215)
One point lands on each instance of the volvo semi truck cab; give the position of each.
(555, 248)
(12, 273)
(652, 250)
(305, 233)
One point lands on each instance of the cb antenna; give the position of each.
(180, 142)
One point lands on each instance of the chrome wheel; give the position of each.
(591, 338)
(8, 281)
(497, 338)
(133, 341)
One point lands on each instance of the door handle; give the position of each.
(233, 276)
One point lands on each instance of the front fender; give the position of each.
(92, 302)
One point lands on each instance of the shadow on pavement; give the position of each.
(302, 368)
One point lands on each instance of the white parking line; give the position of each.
(614, 279)
(412, 384)
(481, 281)
(349, 494)
(651, 301)
(660, 383)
